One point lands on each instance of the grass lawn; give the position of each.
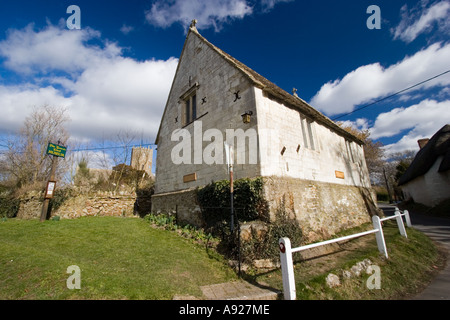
(125, 258)
(119, 258)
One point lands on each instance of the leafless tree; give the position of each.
(373, 153)
(122, 155)
(25, 162)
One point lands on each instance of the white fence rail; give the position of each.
(398, 216)
(286, 251)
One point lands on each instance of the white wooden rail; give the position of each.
(287, 266)
(398, 216)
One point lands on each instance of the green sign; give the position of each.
(56, 150)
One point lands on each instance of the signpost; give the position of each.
(57, 151)
(229, 154)
(50, 190)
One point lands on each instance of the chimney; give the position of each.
(422, 142)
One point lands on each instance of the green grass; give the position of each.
(125, 258)
(119, 258)
(411, 265)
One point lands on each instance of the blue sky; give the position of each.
(115, 72)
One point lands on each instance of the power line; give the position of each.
(97, 148)
(390, 96)
(116, 147)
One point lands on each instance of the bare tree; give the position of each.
(26, 160)
(373, 152)
(395, 166)
(121, 155)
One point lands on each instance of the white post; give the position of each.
(401, 226)
(287, 269)
(379, 235)
(407, 218)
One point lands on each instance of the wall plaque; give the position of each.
(339, 174)
(190, 177)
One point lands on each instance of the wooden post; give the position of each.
(231, 199)
(381, 244)
(287, 269)
(407, 218)
(400, 224)
(229, 158)
(44, 212)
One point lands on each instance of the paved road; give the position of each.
(437, 229)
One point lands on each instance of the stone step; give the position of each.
(238, 290)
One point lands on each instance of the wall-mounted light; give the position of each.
(246, 116)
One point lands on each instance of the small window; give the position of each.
(348, 145)
(307, 133)
(302, 124)
(310, 133)
(190, 109)
(188, 103)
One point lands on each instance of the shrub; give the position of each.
(214, 200)
(143, 204)
(263, 244)
(169, 223)
(9, 206)
(250, 205)
(382, 194)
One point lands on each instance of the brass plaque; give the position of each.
(339, 174)
(190, 177)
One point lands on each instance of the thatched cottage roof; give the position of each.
(438, 145)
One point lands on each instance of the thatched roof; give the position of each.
(439, 145)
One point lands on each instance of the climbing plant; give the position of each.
(214, 200)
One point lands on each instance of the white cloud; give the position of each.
(122, 94)
(102, 90)
(421, 120)
(358, 124)
(418, 21)
(369, 82)
(267, 5)
(17, 101)
(53, 48)
(125, 29)
(209, 13)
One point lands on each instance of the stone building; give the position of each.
(307, 161)
(141, 159)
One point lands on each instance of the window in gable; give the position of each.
(189, 105)
(190, 109)
(348, 145)
(310, 134)
(307, 133)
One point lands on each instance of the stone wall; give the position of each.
(322, 209)
(97, 204)
(181, 204)
(30, 205)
